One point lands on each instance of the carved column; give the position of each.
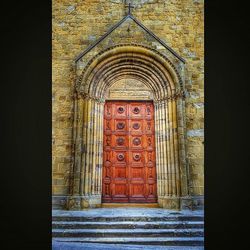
(161, 161)
(87, 167)
(186, 200)
(157, 143)
(167, 150)
(74, 201)
(91, 167)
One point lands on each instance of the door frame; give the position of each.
(129, 169)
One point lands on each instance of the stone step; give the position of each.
(133, 205)
(127, 233)
(129, 218)
(127, 224)
(160, 241)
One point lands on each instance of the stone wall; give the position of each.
(78, 24)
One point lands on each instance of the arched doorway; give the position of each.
(165, 87)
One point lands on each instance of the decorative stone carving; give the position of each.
(71, 203)
(130, 89)
(80, 80)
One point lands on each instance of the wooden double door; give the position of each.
(129, 172)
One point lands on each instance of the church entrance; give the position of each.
(129, 172)
(129, 130)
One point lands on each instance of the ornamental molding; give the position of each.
(179, 94)
(81, 95)
(80, 78)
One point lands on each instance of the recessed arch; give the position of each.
(118, 51)
(160, 75)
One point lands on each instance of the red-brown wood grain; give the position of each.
(129, 173)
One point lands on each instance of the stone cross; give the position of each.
(129, 8)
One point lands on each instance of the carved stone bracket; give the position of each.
(76, 95)
(179, 93)
(79, 94)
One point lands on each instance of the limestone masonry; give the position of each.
(78, 24)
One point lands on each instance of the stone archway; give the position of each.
(160, 76)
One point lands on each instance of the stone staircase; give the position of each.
(169, 229)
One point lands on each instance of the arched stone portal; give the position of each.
(163, 80)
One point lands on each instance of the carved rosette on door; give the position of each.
(129, 172)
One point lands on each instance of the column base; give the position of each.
(169, 202)
(186, 203)
(192, 202)
(83, 202)
(182, 203)
(198, 202)
(59, 201)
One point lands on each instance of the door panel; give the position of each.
(129, 173)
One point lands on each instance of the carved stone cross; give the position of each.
(129, 8)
